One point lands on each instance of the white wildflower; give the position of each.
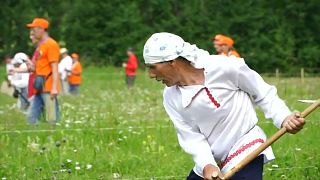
(283, 176)
(116, 175)
(34, 146)
(89, 166)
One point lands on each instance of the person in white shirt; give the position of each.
(210, 100)
(9, 67)
(20, 79)
(64, 67)
(6, 87)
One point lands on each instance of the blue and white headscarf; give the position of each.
(162, 47)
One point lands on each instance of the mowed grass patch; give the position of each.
(109, 132)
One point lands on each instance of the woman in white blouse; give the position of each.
(210, 100)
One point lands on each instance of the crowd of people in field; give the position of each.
(20, 76)
(36, 80)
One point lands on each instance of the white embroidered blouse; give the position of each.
(216, 122)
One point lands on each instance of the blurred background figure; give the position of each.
(64, 67)
(20, 80)
(9, 65)
(6, 86)
(131, 67)
(46, 76)
(74, 77)
(224, 45)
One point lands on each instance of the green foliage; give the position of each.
(268, 34)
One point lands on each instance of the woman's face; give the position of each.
(218, 47)
(164, 72)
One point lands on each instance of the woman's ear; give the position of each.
(173, 63)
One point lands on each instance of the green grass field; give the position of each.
(109, 132)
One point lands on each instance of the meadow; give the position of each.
(109, 132)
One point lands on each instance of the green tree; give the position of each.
(268, 34)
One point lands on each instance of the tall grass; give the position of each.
(109, 132)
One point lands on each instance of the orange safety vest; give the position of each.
(75, 77)
(234, 53)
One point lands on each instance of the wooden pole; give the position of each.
(266, 144)
(302, 75)
(277, 73)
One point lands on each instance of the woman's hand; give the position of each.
(293, 123)
(211, 172)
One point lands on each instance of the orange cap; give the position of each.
(223, 40)
(217, 38)
(75, 55)
(39, 22)
(228, 41)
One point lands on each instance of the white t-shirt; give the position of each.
(9, 67)
(65, 64)
(20, 79)
(216, 122)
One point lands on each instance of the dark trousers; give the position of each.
(253, 171)
(74, 89)
(130, 81)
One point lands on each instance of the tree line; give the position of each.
(268, 34)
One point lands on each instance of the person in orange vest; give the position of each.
(224, 46)
(74, 77)
(46, 84)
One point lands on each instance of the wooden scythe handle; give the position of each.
(268, 142)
